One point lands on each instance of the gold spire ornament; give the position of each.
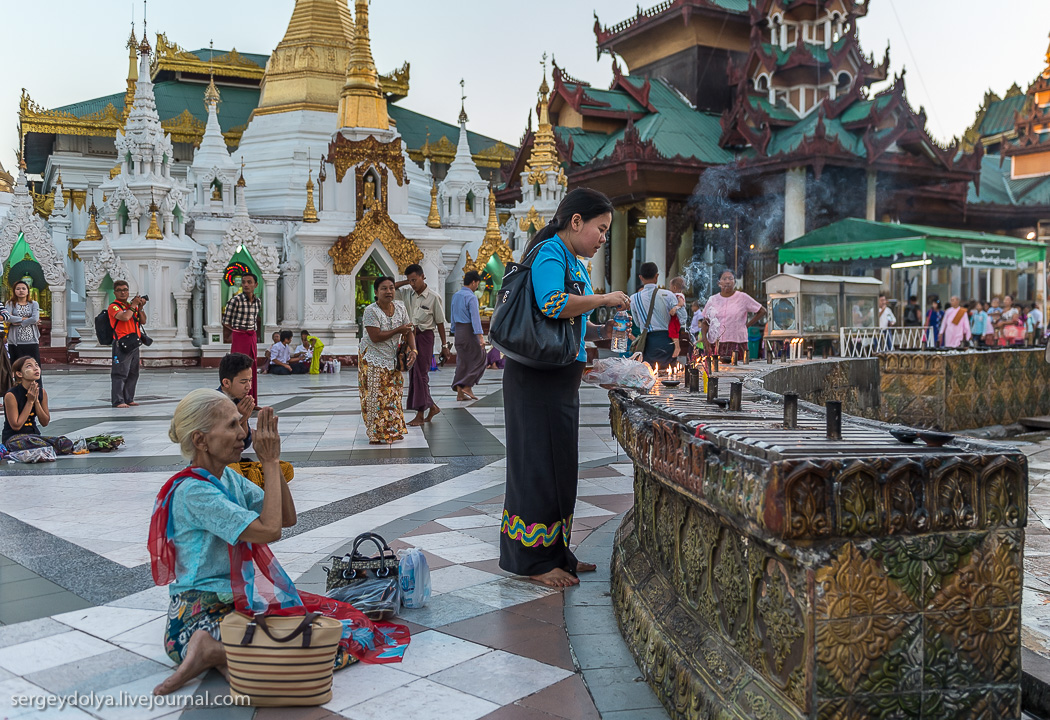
(153, 232)
(492, 244)
(361, 103)
(240, 180)
(544, 155)
(310, 213)
(434, 217)
(92, 233)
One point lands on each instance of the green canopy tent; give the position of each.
(855, 239)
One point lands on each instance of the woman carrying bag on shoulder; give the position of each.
(541, 400)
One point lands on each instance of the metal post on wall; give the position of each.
(925, 274)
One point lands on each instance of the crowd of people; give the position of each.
(999, 322)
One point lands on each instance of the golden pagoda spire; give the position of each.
(240, 180)
(307, 69)
(492, 232)
(361, 104)
(434, 217)
(211, 93)
(92, 232)
(544, 156)
(133, 69)
(153, 231)
(310, 213)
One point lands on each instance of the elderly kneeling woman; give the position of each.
(207, 514)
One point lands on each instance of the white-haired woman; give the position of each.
(200, 513)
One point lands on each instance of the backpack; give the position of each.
(103, 329)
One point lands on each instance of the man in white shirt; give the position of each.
(658, 346)
(426, 310)
(281, 355)
(886, 320)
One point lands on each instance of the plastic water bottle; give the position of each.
(619, 334)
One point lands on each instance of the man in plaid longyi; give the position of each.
(241, 316)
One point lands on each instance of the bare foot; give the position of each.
(556, 578)
(417, 421)
(377, 442)
(434, 410)
(585, 567)
(133, 404)
(123, 405)
(202, 652)
(470, 394)
(461, 397)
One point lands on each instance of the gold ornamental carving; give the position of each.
(34, 118)
(345, 154)
(78, 198)
(7, 180)
(444, 151)
(544, 156)
(115, 170)
(43, 203)
(375, 225)
(92, 233)
(532, 220)
(169, 56)
(395, 85)
(656, 207)
(185, 128)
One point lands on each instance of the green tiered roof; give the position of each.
(997, 187)
(999, 117)
(675, 129)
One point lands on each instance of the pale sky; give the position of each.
(66, 51)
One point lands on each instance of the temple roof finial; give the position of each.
(361, 104)
(462, 102)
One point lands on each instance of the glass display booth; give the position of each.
(814, 307)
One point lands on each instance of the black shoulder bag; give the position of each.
(524, 334)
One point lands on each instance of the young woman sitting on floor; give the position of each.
(24, 404)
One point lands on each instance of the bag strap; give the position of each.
(304, 628)
(652, 304)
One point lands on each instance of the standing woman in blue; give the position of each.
(542, 407)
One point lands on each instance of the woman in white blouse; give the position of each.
(379, 379)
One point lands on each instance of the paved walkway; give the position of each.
(79, 613)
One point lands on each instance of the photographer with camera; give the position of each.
(126, 318)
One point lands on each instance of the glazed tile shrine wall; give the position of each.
(959, 391)
(774, 574)
(947, 391)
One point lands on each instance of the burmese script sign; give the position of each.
(990, 257)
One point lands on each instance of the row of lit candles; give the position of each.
(795, 347)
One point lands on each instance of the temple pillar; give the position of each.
(182, 312)
(794, 204)
(869, 208)
(620, 261)
(214, 325)
(58, 316)
(344, 301)
(656, 234)
(598, 270)
(290, 277)
(198, 317)
(94, 301)
(269, 302)
(997, 282)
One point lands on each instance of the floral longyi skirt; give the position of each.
(381, 396)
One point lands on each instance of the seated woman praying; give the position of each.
(24, 404)
(206, 514)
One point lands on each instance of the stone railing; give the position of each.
(772, 573)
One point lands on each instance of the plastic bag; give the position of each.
(378, 598)
(34, 455)
(415, 578)
(626, 372)
(80, 447)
